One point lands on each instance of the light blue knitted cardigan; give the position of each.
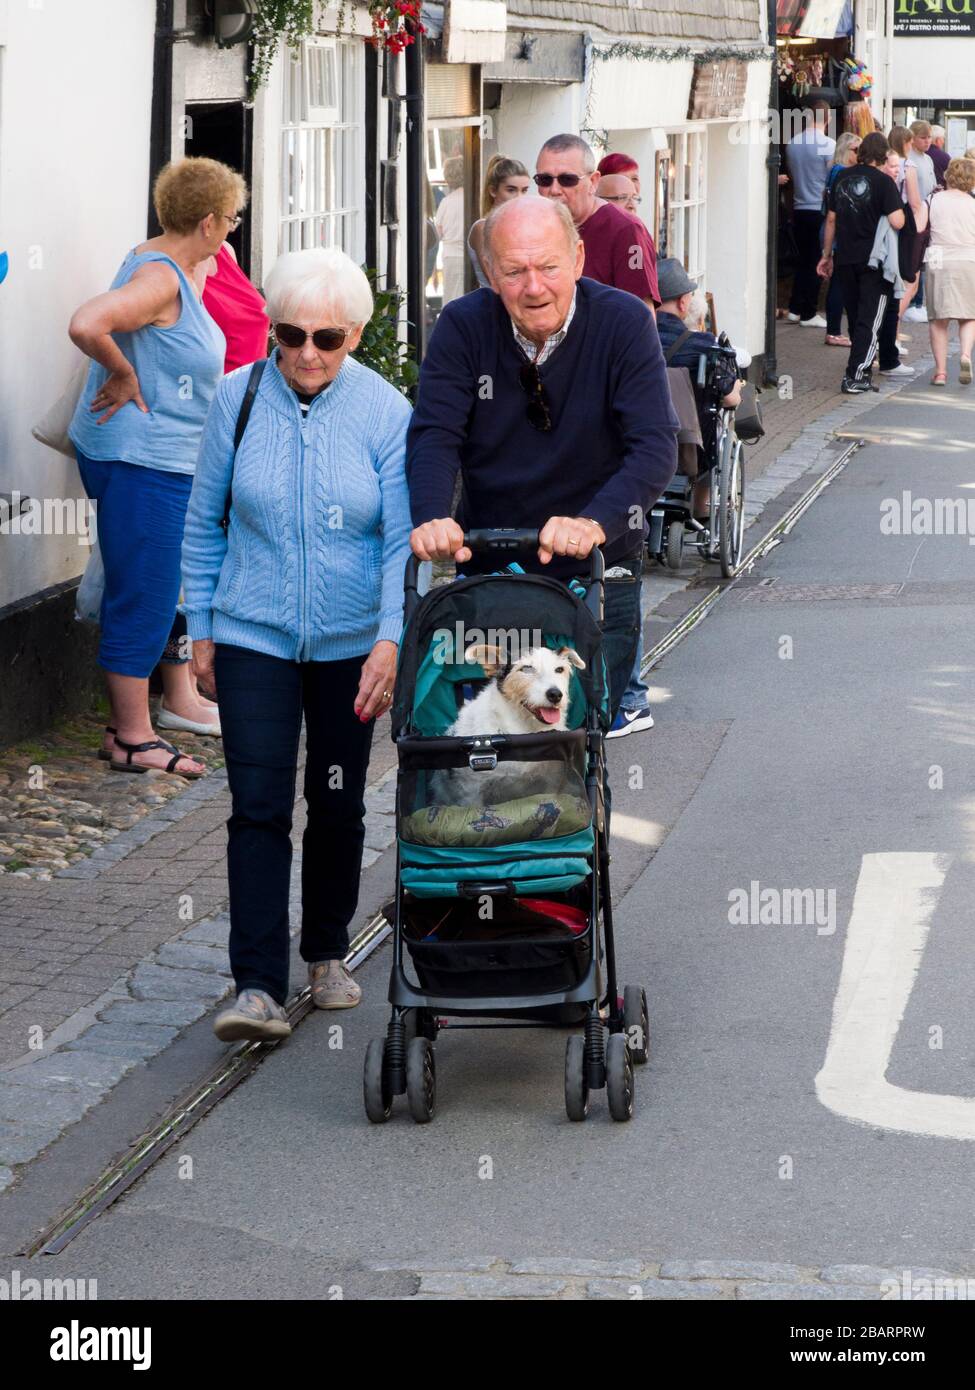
(311, 568)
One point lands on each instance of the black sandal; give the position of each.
(106, 757)
(130, 766)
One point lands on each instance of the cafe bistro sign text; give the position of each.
(934, 18)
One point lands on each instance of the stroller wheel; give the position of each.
(421, 1080)
(376, 1090)
(576, 1085)
(636, 1022)
(619, 1077)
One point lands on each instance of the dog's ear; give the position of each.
(572, 657)
(488, 657)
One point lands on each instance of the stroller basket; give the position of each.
(455, 952)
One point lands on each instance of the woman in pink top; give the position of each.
(237, 308)
(950, 265)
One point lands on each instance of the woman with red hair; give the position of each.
(620, 164)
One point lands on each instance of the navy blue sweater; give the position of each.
(612, 447)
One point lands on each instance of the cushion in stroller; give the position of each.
(538, 817)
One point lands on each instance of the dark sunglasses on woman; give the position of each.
(563, 180)
(325, 339)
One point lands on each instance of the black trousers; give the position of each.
(806, 283)
(262, 699)
(888, 354)
(621, 628)
(865, 294)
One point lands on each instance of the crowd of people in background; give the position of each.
(883, 220)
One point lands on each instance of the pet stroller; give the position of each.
(503, 907)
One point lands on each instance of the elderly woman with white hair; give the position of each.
(293, 560)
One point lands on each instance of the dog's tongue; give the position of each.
(548, 714)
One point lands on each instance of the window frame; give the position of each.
(321, 194)
(687, 154)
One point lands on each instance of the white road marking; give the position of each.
(895, 899)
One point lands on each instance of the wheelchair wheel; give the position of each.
(731, 505)
(675, 545)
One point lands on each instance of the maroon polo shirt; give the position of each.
(620, 252)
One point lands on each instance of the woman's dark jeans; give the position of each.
(834, 308)
(262, 699)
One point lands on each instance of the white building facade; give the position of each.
(94, 98)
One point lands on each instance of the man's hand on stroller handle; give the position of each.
(440, 540)
(572, 536)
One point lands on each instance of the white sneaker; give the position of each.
(630, 721)
(902, 370)
(916, 314)
(817, 321)
(791, 317)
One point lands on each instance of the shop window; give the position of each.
(680, 200)
(453, 161)
(322, 189)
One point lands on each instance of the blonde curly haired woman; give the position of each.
(157, 357)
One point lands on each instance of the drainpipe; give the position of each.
(415, 203)
(773, 164)
(161, 109)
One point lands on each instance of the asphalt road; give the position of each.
(800, 734)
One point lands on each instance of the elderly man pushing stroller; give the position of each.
(550, 398)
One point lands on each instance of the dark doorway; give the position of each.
(222, 130)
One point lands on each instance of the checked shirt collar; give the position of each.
(550, 344)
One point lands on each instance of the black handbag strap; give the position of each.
(243, 415)
(676, 345)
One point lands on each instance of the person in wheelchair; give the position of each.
(683, 346)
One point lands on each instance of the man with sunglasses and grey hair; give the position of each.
(548, 395)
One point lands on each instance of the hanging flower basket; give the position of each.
(395, 25)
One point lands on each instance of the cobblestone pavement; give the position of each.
(117, 940)
(59, 802)
(634, 1279)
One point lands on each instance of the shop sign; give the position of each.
(940, 19)
(718, 90)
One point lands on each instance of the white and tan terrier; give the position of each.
(524, 696)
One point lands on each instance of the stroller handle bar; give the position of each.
(508, 543)
(512, 542)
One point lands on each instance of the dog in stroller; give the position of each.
(521, 695)
(503, 913)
